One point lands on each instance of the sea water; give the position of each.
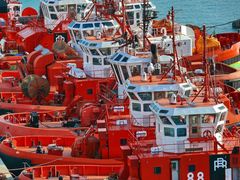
(197, 12)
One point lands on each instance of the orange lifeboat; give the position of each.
(212, 44)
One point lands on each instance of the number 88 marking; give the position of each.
(200, 176)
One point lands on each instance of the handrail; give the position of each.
(101, 73)
(24, 117)
(186, 147)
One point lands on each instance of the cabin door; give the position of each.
(175, 169)
(194, 126)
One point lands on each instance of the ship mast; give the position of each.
(144, 24)
(174, 45)
(175, 54)
(206, 68)
(206, 84)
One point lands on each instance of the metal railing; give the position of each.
(104, 73)
(147, 121)
(17, 118)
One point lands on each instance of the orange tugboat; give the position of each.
(188, 125)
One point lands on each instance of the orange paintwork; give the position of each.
(66, 171)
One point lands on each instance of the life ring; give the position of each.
(207, 133)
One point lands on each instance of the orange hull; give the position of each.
(20, 130)
(229, 53)
(37, 159)
(93, 171)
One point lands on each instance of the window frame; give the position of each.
(169, 132)
(134, 105)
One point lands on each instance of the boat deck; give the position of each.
(74, 177)
(103, 38)
(47, 125)
(198, 102)
(66, 150)
(156, 80)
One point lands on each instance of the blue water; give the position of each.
(197, 12)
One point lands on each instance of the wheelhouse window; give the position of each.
(146, 108)
(138, 15)
(181, 132)
(129, 7)
(105, 51)
(145, 96)
(159, 95)
(118, 57)
(72, 7)
(87, 58)
(137, 6)
(170, 93)
(135, 70)
(54, 16)
(169, 132)
(222, 117)
(97, 61)
(187, 93)
(61, 8)
(108, 24)
(97, 25)
(106, 61)
(88, 25)
(136, 106)
(125, 59)
(193, 119)
(16, 8)
(179, 120)
(51, 8)
(76, 26)
(94, 52)
(81, 7)
(208, 118)
(88, 33)
(165, 120)
(194, 130)
(130, 16)
(125, 72)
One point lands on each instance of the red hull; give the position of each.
(38, 159)
(93, 171)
